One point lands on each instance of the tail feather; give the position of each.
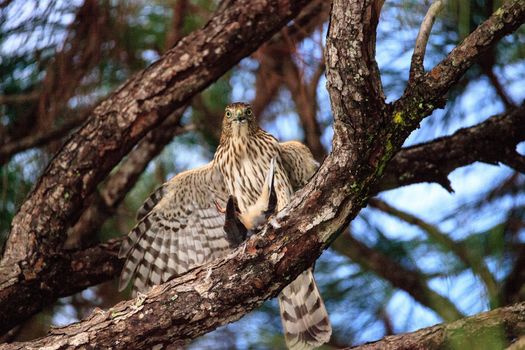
(303, 314)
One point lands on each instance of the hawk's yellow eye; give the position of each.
(228, 114)
(249, 112)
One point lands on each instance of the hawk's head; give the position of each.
(238, 120)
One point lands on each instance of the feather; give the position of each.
(178, 229)
(303, 314)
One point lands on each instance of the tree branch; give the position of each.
(271, 258)
(19, 98)
(498, 87)
(424, 97)
(305, 104)
(105, 203)
(489, 142)
(424, 162)
(412, 282)
(73, 271)
(459, 249)
(416, 66)
(515, 161)
(267, 80)
(38, 139)
(513, 289)
(489, 330)
(38, 230)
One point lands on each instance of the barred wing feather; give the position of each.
(179, 228)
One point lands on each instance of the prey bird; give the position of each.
(181, 225)
(238, 225)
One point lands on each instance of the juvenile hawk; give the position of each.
(180, 227)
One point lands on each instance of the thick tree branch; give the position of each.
(430, 162)
(73, 271)
(38, 230)
(489, 142)
(98, 264)
(106, 201)
(427, 93)
(495, 329)
(365, 138)
(272, 259)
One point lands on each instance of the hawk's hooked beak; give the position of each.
(241, 118)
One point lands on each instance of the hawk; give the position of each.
(180, 226)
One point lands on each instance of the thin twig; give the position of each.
(498, 86)
(36, 140)
(416, 66)
(19, 98)
(305, 103)
(411, 281)
(316, 77)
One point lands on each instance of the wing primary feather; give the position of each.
(151, 202)
(131, 250)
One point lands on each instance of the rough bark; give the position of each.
(72, 272)
(491, 330)
(105, 202)
(367, 133)
(492, 142)
(38, 230)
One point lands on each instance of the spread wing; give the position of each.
(298, 162)
(179, 228)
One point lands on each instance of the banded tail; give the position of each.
(303, 314)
